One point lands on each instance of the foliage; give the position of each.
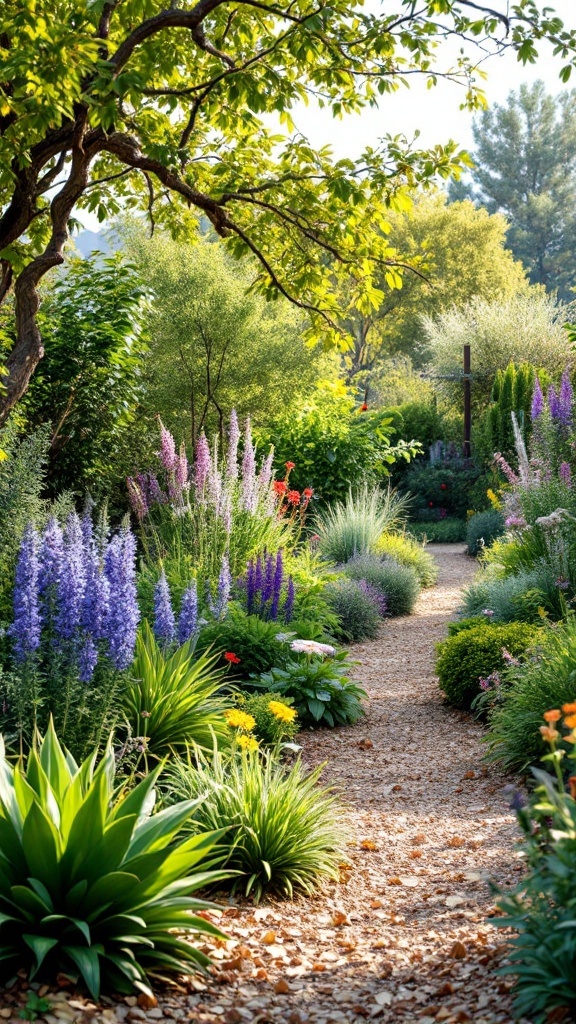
(89, 384)
(521, 597)
(402, 548)
(92, 884)
(441, 489)
(441, 531)
(525, 168)
(274, 725)
(476, 653)
(252, 640)
(173, 700)
(422, 421)
(285, 834)
(527, 328)
(355, 525)
(394, 382)
(482, 529)
(545, 680)
(320, 688)
(335, 443)
(357, 607)
(398, 584)
(511, 393)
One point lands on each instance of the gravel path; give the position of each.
(405, 936)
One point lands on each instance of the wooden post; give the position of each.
(467, 403)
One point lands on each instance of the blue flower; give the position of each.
(188, 618)
(25, 629)
(121, 623)
(164, 621)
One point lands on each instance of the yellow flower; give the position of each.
(493, 499)
(239, 719)
(248, 743)
(282, 711)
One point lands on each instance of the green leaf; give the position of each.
(40, 946)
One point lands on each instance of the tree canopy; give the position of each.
(525, 168)
(115, 101)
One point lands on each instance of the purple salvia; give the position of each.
(164, 619)
(137, 498)
(156, 495)
(87, 661)
(258, 575)
(123, 616)
(224, 588)
(249, 486)
(268, 583)
(202, 463)
(97, 591)
(289, 602)
(188, 618)
(232, 451)
(565, 400)
(537, 401)
(51, 561)
(72, 583)
(25, 629)
(553, 403)
(277, 586)
(167, 452)
(565, 473)
(250, 586)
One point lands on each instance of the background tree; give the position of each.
(106, 101)
(459, 252)
(525, 168)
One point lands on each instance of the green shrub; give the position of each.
(407, 551)
(443, 531)
(284, 832)
(482, 529)
(422, 422)
(514, 598)
(249, 638)
(355, 525)
(320, 690)
(173, 700)
(357, 608)
(546, 680)
(270, 728)
(398, 584)
(441, 488)
(476, 653)
(92, 885)
(468, 623)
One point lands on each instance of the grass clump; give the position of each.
(406, 551)
(353, 526)
(397, 584)
(358, 608)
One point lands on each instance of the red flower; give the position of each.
(308, 492)
(431, 504)
(232, 658)
(290, 465)
(280, 486)
(443, 487)
(293, 497)
(364, 407)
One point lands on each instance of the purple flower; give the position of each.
(232, 452)
(123, 616)
(565, 473)
(537, 401)
(277, 586)
(182, 468)
(25, 629)
(156, 495)
(51, 561)
(164, 620)
(249, 488)
(487, 612)
(96, 599)
(562, 583)
(224, 588)
(509, 473)
(266, 470)
(375, 595)
(203, 463)
(508, 658)
(565, 400)
(72, 584)
(515, 521)
(251, 589)
(167, 451)
(188, 618)
(289, 602)
(87, 660)
(268, 581)
(137, 497)
(553, 403)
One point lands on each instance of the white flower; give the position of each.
(284, 638)
(311, 647)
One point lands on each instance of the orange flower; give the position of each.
(570, 721)
(549, 734)
(572, 785)
(280, 486)
(552, 716)
(293, 497)
(569, 709)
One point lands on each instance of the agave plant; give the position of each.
(92, 885)
(173, 700)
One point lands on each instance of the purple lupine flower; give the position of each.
(123, 615)
(289, 602)
(215, 484)
(96, 600)
(565, 400)
(51, 561)
(277, 586)
(26, 627)
(156, 495)
(188, 618)
(509, 473)
(268, 581)
(202, 463)
(565, 473)
(258, 574)
(224, 588)
(182, 468)
(250, 586)
(72, 585)
(137, 498)
(164, 619)
(249, 489)
(537, 401)
(167, 451)
(553, 403)
(232, 451)
(87, 660)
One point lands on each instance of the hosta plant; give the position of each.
(92, 884)
(319, 688)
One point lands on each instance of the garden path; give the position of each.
(406, 935)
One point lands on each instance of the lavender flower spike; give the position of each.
(565, 400)
(289, 602)
(565, 473)
(188, 618)
(232, 452)
(72, 584)
(95, 604)
(51, 563)
(164, 621)
(249, 484)
(203, 463)
(537, 401)
(553, 403)
(167, 452)
(224, 588)
(25, 629)
(122, 620)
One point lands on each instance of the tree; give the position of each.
(213, 346)
(115, 101)
(525, 168)
(459, 253)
